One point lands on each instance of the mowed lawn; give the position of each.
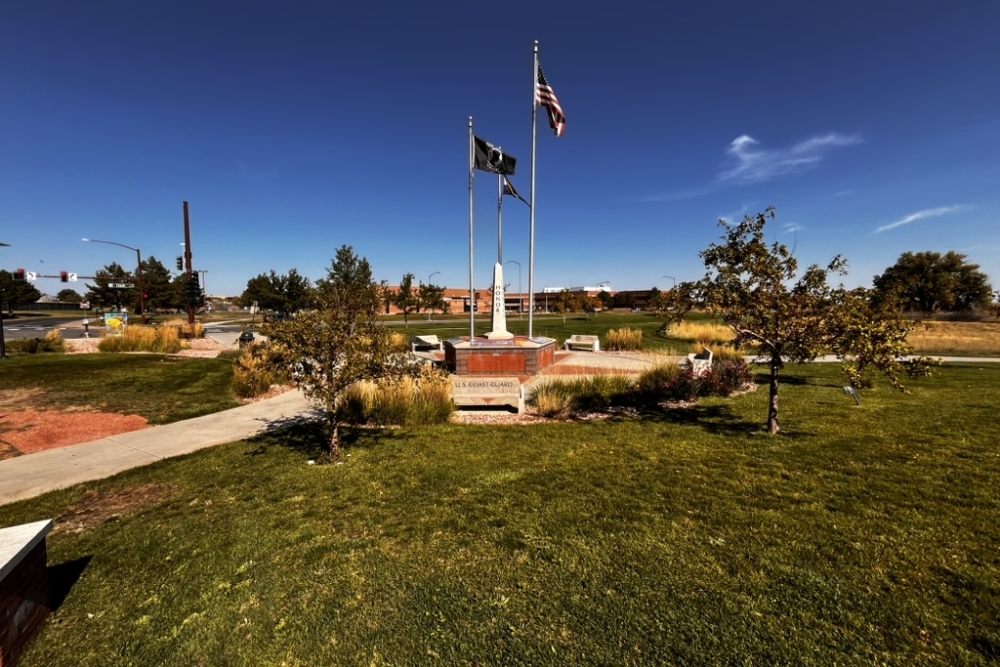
(860, 536)
(161, 389)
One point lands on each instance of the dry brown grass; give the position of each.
(976, 338)
(624, 339)
(701, 332)
(143, 339)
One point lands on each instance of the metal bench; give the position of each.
(593, 343)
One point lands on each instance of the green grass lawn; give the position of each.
(553, 326)
(860, 536)
(149, 385)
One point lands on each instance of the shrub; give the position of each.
(53, 342)
(561, 398)
(405, 401)
(399, 342)
(552, 399)
(185, 330)
(162, 340)
(726, 377)
(256, 370)
(624, 339)
(649, 387)
(668, 382)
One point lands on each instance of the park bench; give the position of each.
(426, 342)
(593, 343)
(700, 363)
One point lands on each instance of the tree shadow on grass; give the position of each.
(63, 577)
(716, 419)
(310, 435)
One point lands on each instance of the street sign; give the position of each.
(85, 305)
(71, 277)
(119, 285)
(31, 275)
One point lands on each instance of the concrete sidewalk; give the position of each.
(34, 474)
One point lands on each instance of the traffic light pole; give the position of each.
(187, 258)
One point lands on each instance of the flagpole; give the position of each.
(500, 219)
(531, 238)
(472, 288)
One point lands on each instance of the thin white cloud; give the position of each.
(792, 227)
(754, 164)
(921, 215)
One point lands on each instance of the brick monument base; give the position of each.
(519, 355)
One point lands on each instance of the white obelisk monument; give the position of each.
(498, 319)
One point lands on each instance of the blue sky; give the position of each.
(293, 128)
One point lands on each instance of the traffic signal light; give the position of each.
(193, 291)
(19, 274)
(180, 263)
(63, 276)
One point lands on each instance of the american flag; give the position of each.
(546, 97)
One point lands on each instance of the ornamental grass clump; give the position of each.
(700, 332)
(625, 339)
(256, 370)
(720, 352)
(560, 399)
(185, 329)
(162, 340)
(398, 401)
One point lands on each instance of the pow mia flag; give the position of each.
(492, 159)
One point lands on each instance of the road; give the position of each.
(72, 327)
(22, 327)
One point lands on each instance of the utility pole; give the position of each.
(187, 258)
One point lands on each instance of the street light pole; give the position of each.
(672, 278)
(520, 295)
(428, 286)
(138, 272)
(3, 343)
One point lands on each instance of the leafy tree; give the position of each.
(869, 334)
(565, 302)
(588, 304)
(102, 295)
(282, 293)
(16, 293)
(749, 287)
(387, 296)
(674, 304)
(69, 296)
(176, 298)
(339, 343)
(930, 282)
(431, 297)
(406, 299)
(261, 289)
(654, 299)
(156, 281)
(607, 301)
(624, 300)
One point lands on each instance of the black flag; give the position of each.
(492, 159)
(508, 189)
